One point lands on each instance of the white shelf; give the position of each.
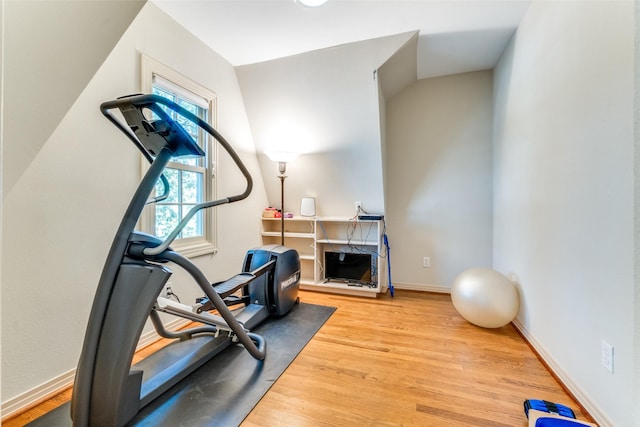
(346, 242)
(295, 218)
(288, 234)
(340, 288)
(313, 236)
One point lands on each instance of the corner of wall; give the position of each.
(636, 239)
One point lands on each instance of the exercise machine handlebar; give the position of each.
(107, 391)
(150, 137)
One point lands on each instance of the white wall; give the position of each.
(61, 214)
(323, 104)
(47, 66)
(636, 115)
(439, 179)
(563, 192)
(2, 62)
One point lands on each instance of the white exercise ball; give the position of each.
(485, 297)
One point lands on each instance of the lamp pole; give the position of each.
(282, 178)
(281, 157)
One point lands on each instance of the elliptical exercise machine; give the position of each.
(108, 390)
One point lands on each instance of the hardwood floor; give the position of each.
(409, 361)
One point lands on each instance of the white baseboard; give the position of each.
(422, 287)
(36, 395)
(563, 377)
(47, 390)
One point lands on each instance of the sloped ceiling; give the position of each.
(399, 71)
(72, 38)
(454, 35)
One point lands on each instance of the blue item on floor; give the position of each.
(557, 422)
(550, 407)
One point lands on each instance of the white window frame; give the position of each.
(192, 246)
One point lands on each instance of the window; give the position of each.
(191, 180)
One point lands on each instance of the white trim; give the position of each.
(194, 249)
(150, 67)
(563, 377)
(422, 287)
(54, 386)
(150, 70)
(36, 395)
(326, 287)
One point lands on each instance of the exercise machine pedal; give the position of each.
(228, 287)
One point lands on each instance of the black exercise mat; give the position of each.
(224, 390)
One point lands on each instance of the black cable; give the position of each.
(170, 294)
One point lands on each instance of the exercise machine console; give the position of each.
(108, 390)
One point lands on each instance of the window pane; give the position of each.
(187, 185)
(189, 126)
(194, 227)
(172, 177)
(191, 187)
(192, 108)
(188, 161)
(157, 90)
(163, 93)
(166, 219)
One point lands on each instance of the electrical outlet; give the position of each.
(167, 292)
(358, 206)
(607, 356)
(426, 262)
